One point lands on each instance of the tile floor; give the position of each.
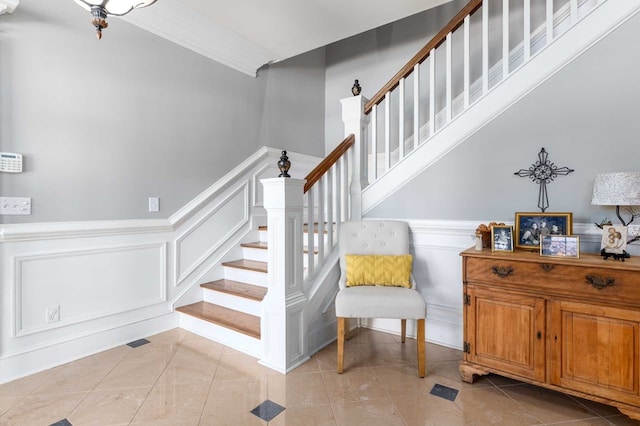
(180, 378)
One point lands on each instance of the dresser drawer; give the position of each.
(593, 282)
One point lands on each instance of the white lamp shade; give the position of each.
(116, 7)
(617, 189)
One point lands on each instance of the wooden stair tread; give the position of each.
(257, 245)
(251, 265)
(234, 320)
(237, 288)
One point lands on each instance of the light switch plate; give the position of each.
(154, 204)
(15, 205)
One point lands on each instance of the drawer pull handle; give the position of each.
(502, 272)
(547, 267)
(599, 282)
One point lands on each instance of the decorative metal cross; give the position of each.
(541, 172)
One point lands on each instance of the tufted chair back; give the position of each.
(372, 237)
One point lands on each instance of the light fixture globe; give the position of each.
(100, 9)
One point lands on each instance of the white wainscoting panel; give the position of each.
(108, 281)
(202, 239)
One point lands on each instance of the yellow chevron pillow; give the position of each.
(386, 270)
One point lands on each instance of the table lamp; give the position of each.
(617, 189)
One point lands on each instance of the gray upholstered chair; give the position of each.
(377, 237)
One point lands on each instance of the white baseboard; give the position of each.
(23, 364)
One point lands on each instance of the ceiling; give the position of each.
(246, 34)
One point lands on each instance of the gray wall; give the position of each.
(105, 124)
(586, 117)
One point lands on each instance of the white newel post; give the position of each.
(283, 325)
(356, 122)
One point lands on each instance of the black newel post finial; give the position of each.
(284, 164)
(356, 89)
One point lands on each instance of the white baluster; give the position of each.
(448, 77)
(505, 38)
(374, 142)
(467, 60)
(346, 201)
(322, 193)
(485, 47)
(339, 185)
(432, 92)
(310, 219)
(416, 106)
(549, 21)
(330, 205)
(401, 120)
(527, 30)
(387, 132)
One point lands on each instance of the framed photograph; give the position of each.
(560, 246)
(614, 239)
(501, 238)
(530, 227)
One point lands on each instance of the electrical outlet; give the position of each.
(53, 314)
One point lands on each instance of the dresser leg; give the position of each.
(469, 372)
(634, 414)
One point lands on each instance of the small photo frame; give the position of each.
(530, 227)
(614, 239)
(501, 238)
(560, 246)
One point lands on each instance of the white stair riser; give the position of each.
(250, 253)
(223, 335)
(262, 235)
(245, 276)
(230, 301)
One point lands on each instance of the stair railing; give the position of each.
(327, 199)
(462, 63)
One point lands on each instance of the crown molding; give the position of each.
(172, 20)
(8, 6)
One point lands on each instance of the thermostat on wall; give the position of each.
(10, 162)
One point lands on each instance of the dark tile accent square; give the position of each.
(63, 422)
(137, 343)
(267, 410)
(444, 392)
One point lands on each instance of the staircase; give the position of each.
(270, 313)
(230, 310)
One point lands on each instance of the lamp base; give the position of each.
(616, 256)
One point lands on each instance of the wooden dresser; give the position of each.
(571, 325)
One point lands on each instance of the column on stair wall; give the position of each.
(283, 325)
(356, 122)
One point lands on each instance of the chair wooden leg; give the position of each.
(403, 330)
(421, 348)
(347, 329)
(341, 330)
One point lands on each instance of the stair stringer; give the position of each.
(564, 50)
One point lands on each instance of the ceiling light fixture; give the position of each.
(100, 9)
